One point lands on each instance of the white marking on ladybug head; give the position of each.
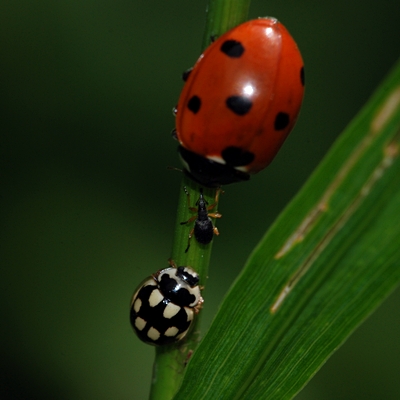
(244, 168)
(191, 272)
(217, 159)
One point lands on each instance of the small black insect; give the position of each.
(203, 229)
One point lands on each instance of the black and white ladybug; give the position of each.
(164, 305)
(203, 229)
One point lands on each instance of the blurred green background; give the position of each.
(88, 206)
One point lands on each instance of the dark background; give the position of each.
(88, 206)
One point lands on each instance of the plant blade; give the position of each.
(325, 265)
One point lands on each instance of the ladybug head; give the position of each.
(208, 172)
(188, 275)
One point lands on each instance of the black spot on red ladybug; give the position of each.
(194, 104)
(236, 156)
(186, 74)
(238, 104)
(232, 48)
(302, 76)
(281, 121)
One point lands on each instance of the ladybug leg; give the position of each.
(188, 355)
(189, 220)
(186, 74)
(171, 262)
(198, 306)
(215, 230)
(190, 237)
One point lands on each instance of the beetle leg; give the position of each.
(190, 236)
(191, 219)
(216, 200)
(215, 215)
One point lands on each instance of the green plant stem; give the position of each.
(170, 361)
(223, 15)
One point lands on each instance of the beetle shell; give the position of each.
(239, 103)
(165, 304)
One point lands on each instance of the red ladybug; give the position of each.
(239, 103)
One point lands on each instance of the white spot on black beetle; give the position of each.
(163, 307)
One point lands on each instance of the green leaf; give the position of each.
(328, 261)
(223, 15)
